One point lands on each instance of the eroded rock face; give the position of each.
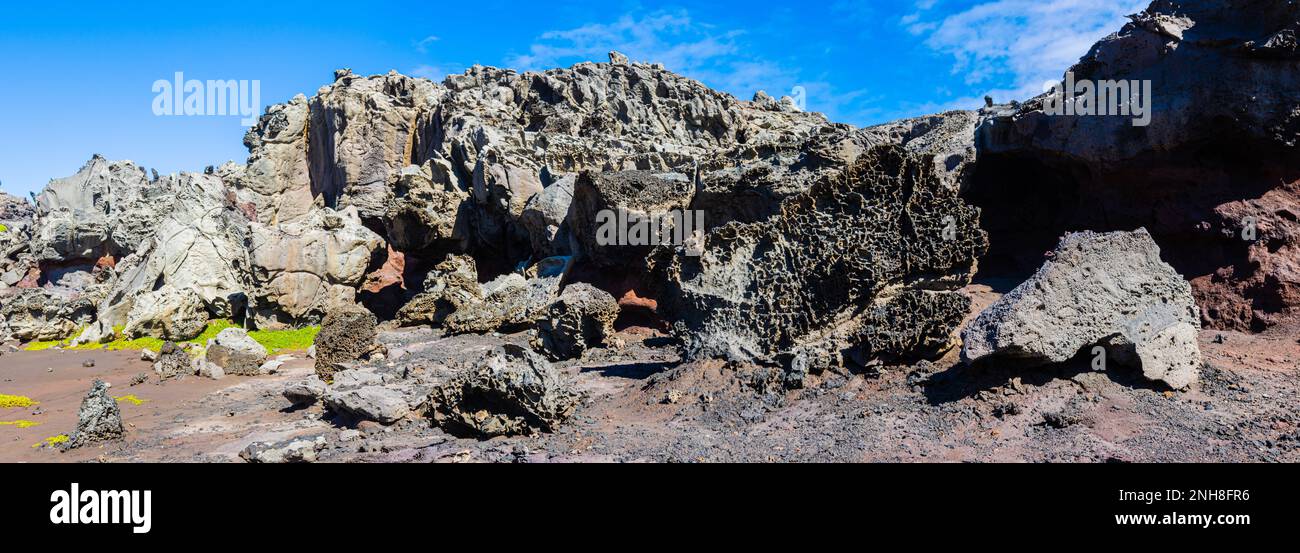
(305, 268)
(582, 318)
(45, 315)
(1223, 129)
(107, 208)
(276, 182)
(198, 246)
(833, 271)
(512, 391)
(1097, 289)
(347, 334)
(98, 419)
(362, 132)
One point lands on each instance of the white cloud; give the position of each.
(1022, 43)
(422, 46)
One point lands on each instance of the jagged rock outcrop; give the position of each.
(303, 269)
(98, 419)
(425, 213)
(511, 391)
(347, 334)
(885, 239)
(199, 245)
(362, 133)
(1097, 289)
(582, 318)
(107, 208)
(451, 286)
(1222, 129)
(276, 182)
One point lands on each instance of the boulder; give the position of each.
(301, 449)
(167, 313)
(98, 419)
(375, 403)
(510, 391)
(1107, 289)
(172, 362)
(236, 353)
(545, 218)
(305, 392)
(866, 265)
(451, 286)
(347, 334)
(583, 317)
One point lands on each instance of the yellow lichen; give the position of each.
(131, 398)
(20, 423)
(51, 441)
(7, 401)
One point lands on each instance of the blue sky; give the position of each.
(79, 74)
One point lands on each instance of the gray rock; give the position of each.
(167, 313)
(305, 268)
(512, 302)
(236, 353)
(98, 419)
(450, 287)
(376, 403)
(348, 334)
(294, 450)
(510, 391)
(583, 317)
(866, 265)
(172, 362)
(1097, 289)
(305, 392)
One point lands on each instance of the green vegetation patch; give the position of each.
(8, 402)
(20, 423)
(277, 341)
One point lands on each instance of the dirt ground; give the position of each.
(644, 405)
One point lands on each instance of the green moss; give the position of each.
(277, 341)
(20, 423)
(273, 340)
(130, 398)
(41, 346)
(51, 441)
(8, 402)
(4, 228)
